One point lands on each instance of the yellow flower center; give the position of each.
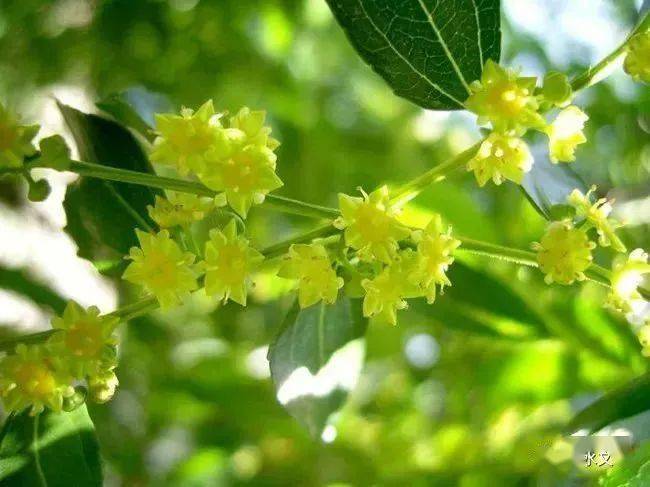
(240, 174)
(35, 379)
(84, 339)
(193, 138)
(372, 223)
(231, 264)
(507, 98)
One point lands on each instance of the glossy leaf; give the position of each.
(102, 215)
(316, 360)
(428, 51)
(50, 449)
(624, 402)
(632, 471)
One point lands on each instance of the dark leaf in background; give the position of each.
(427, 51)
(548, 185)
(629, 400)
(316, 360)
(102, 215)
(135, 108)
(482, 304)
(50, 449)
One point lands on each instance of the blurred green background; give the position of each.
(471, 391)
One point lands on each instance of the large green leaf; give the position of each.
(316, 360)
(480, 303)
(102, 215)
(624, 402)
(50, 449)
(428, 51)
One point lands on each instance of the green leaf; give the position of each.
(135, 108)
(624, 402)
(632, 471)
(20, 282)
(50, 449)
(55, 154)
(428, 51)
(482, 304)
(102, 215)
(316, 360)
(548, 185)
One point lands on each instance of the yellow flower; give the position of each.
(435, 254)
(370, 225)
(32, 377)
(644, 339)
(182, 208)
(229, 261)
(245, 174)
(85, 342)
(627, 275)
(162, 268)
(251, 122)
(501, 157)
(565, 134)
(637, 61)
(187, 140)
(564, 253)
(387, 292)
(505, 99)
(597, 214)
(311, 265)
(15, 140)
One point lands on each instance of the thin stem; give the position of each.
(604, 68)
(278, 203)
(125, 313)
(414, 187)
(281, 247)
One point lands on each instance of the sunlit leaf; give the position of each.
(427, 51)
(50, 449)
(316, 360)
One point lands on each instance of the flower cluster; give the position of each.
(396, 262)
(82, 347)
(236, 160)
(512, 105)
(15, 140)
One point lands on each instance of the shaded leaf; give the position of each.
(482, 304)
(428, 51)
(50, 449)
(102, 215)
(548, 185)
(629, 400)
(316, 360)
(135, 108)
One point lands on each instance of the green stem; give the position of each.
(278, 203)
(410, 190)
(125, 313)
(604, 68)
(281, 247)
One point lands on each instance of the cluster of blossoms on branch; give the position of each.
(387, 261)
(80, 350)
(369, 253)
